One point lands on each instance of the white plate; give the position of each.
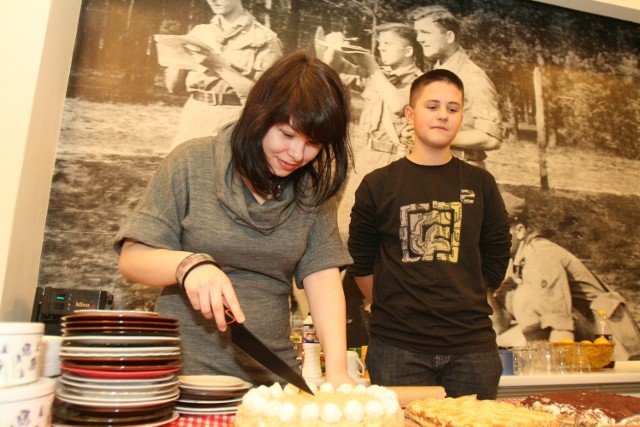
(206, 411)
(80, 389)
(116, 402)
(173, 417)
(209, 402)
(119, 381)
(117, 385)
(114, 355)
(102, 350)
(116, 312)
(211, 381)
(244, 386)
(89, 398)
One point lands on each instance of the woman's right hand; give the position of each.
(210, 292)
(208, 288)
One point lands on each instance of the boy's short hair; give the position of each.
(407, 33)
(437, 75)
(403, 30)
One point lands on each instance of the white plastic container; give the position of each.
(27, 405)
(20, 344)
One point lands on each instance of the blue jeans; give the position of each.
(459, 374)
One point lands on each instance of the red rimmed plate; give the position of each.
(120, 374)
(98, 315)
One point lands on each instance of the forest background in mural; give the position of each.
(119, 121)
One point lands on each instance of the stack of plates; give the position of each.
(89, 401)
(210, 394)
(118, 368)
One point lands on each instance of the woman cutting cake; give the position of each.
(229, 221)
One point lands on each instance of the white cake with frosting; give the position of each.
(347, 405)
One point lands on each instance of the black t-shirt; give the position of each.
(435, 238)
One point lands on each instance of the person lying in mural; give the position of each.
(230, 52)
(438, 31)
(228, 221)
(549, 294)
(384, 83)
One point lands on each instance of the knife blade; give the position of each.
(250, 344)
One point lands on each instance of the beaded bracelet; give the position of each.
(190, 263)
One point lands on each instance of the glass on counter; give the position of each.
(546, 358)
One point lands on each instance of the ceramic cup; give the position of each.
(20, 346)
(354, 364)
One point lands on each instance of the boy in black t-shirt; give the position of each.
(429, 235)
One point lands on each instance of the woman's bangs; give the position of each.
(315, 123)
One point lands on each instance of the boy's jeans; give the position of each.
(459, 374)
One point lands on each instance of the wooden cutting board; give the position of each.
(408, 393)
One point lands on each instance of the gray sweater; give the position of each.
(196, 202)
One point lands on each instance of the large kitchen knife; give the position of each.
(247, 342)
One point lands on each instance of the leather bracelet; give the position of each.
(188, 263)
(193, 267)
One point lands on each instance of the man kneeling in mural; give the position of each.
(552, 295)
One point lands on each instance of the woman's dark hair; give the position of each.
(304, 92)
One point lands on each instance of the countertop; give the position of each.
(623, 379)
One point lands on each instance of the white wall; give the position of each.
(36, 55)
(626, 10)
(36, 50)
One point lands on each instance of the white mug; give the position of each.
(355, 366)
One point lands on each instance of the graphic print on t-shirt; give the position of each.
(431, 231)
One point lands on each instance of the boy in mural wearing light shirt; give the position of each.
(384, 83)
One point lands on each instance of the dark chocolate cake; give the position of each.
(587, 408)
